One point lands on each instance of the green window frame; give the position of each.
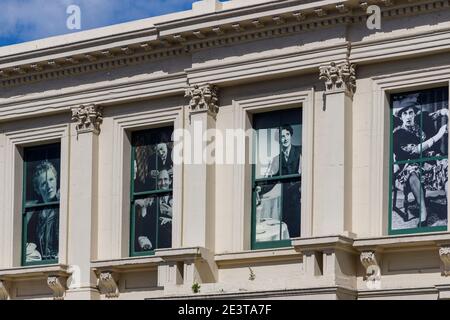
(39, 159)
(153, 191)
(273, 122)
(418, 162)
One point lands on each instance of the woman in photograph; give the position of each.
(43, 224)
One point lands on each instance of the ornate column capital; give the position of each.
(58, 285)
(339, 77)
(203, 99)
(88, 118)
(444, 255)
(4, 290)
(107, 284)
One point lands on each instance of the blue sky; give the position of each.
(27, 20)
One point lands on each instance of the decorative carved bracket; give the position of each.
(203, 99)
(107, 283)
(88, 118)
(444, 254)
(371, 265)
(339, 77)
(58, 285)
(4, 290)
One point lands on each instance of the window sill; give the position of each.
(403, 241)
(177, 266)
(149, 262)
(256, 256)
(342, 242)
(55, 275)
(34, 272)
(126, 264)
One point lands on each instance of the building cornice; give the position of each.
(178, 37)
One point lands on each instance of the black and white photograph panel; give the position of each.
(419, 123)
(145, 226)
(291, 150)
(42, 234)
(419, 159)
(152, 153)
(419, 194)
(165, 221)
(267, 153)
(269, 227)
(42, 172)
(291, 212)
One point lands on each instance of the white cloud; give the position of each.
(24, 20)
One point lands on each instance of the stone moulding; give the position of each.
(291, 20)
(55, 277)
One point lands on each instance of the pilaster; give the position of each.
(83, 198)
(333, 155)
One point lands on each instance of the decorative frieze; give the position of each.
(4, 290)
(88, 118)
(342, 8)
(237, 27)
(107, 284)
(339, 77)
(272, 25)
(127, 50)
(203, 99)
(218, 31)
(257, 23)
(58, 285)
(320, 12)
(444, 254)
(90, 57)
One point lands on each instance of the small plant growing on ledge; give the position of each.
(195, 287)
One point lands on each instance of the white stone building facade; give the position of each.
(89, 93)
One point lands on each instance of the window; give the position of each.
(419, 161)
(151, 191)
(276, 178)
(41, 204)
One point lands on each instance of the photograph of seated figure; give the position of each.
(419, 160)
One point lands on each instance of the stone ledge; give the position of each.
(180, 254)
(126, 264)
(56, 277)
(402, 241)
(398, 292)
(34, 272)
(254, 256)
(333, 291)
(175, 267)
(323, 243)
